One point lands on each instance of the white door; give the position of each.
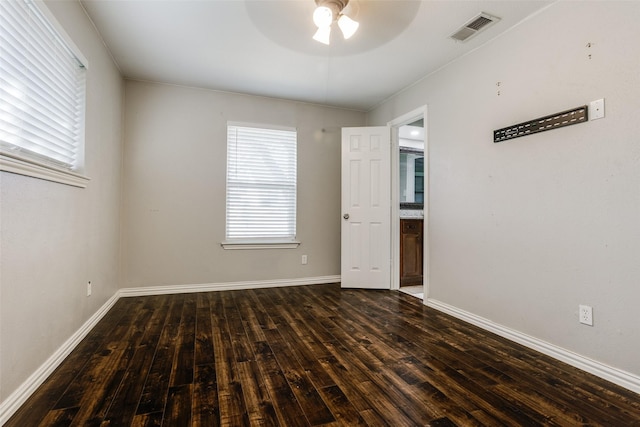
(366, 208)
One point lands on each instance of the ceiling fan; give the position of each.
(329, 11)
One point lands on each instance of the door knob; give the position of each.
(345, 216)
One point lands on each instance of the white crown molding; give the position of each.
(609, 373)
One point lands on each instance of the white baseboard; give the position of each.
(12, 403)
(616, 376)
(229, 286)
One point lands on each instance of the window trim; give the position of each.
(13, 161)
(32, 168)
(258, 243)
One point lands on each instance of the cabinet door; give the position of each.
(410, 252)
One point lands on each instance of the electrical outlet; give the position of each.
(89, 288)
(585, 314)
(304, 260)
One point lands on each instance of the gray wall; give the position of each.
(53, 237)
(522, 232)
(175, 183)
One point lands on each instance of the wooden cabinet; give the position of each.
(410, 252)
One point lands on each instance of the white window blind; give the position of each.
(42, 88)
(261, 183)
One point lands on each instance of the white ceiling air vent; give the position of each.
(474, 26)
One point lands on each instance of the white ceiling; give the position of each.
(264, 47)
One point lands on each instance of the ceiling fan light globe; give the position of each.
(322, 16)
(348, 26)
(323, 35)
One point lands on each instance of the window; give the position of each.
(42, 91)
(261, 187)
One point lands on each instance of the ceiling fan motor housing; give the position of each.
(336, 6)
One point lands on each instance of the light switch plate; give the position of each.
(596, 109)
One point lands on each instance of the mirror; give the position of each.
(411, 145)
(411, 178)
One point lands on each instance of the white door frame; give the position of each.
(410, 117)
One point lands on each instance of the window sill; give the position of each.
(23, 166)
(258, 244)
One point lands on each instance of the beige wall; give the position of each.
(174, 187)
(53, 237)
(522, 232)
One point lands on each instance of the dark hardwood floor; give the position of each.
(311, 355)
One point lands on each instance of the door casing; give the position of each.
(410, 117)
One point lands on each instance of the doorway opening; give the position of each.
(409, 203)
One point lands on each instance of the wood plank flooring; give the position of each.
(311, 356)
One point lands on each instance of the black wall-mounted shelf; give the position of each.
(553, 121)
